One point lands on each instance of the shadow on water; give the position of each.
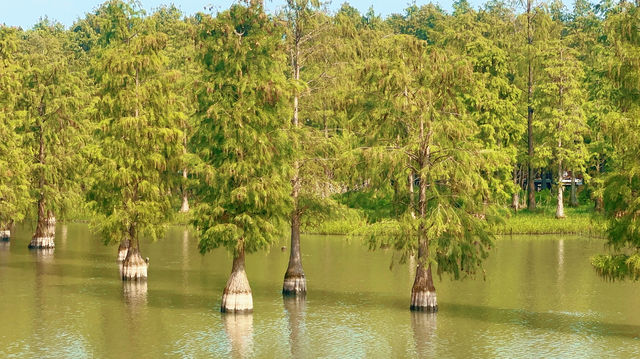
(239, 329)
(559, 322)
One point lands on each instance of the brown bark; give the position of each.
(295, 282)
(423, 292)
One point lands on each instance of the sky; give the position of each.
(25, 13)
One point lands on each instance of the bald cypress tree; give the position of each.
(139, 139)
(14, 194)
(53, 126)
(622, 185)
(241, 140)
(418, 122)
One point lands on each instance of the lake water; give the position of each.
(539, 298)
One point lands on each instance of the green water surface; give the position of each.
(539, 298)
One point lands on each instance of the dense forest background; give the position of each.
(428, 126)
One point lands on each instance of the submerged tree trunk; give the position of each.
(123, 248)
(45, 229)
(236, 297)
(574, 196)
(560, 206)
(134, 267)
(294, 280)
(423, 292)
(5, 232)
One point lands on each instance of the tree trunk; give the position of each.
(134, 267)
(423, 292)
(185, 197)
(530, 178)
(5, 232)
(574, 196)
(515, 199)
(411, 195)
(560, 206)
(123, 248)
(294, 280)
(599, 204)
(45, 229)
(236, 297)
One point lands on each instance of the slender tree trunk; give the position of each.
(560, 206)
(574, 196)
(134, 267)
(185, 197)
(530, 178)
(294, 279)
(598, 201)
(515, 199)
(412, 195)
(295, 282)
(236, 297)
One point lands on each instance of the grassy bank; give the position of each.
(579, 220)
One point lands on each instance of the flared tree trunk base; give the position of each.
(134, 267)
(41, 243)
(237, 302)
(5, 235)
(295, 285)
(237, 296)
(424, 301)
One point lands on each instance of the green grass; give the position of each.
(580, 220)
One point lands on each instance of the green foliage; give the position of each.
(54, 126)
(140, 140)
(14, 164)
(622, 186)
(241, 141)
